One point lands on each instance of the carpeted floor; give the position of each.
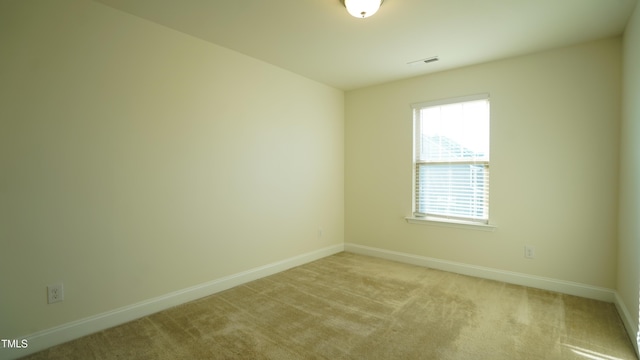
(350, 306)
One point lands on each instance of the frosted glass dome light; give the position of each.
(362, 8)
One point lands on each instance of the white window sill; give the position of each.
(449, 223)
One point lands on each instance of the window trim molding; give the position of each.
(459, 99)
(430, 219)
(451, 223)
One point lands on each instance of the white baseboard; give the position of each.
(44, 339)
(566, 287)
(629, 319)
(561, 286)
(630, 322)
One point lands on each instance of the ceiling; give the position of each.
(321, 41)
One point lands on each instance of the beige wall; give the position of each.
(554, 164)
(136, 161)
(629, 232)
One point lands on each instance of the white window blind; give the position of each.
(451, 159)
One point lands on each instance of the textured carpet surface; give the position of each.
(350, 306)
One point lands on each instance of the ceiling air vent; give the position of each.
(426, 61)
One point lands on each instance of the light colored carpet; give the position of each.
(350, 306)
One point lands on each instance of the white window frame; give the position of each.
(440, 219)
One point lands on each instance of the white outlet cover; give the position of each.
(529, 252)
(55, 293)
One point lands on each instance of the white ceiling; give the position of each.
(320, 40)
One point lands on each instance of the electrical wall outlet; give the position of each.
(529, 252)
(55, 293)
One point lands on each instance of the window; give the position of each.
(451, 159)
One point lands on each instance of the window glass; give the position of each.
(451, 160)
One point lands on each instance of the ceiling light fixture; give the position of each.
(362, 8)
